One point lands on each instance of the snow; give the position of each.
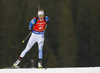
(53, 70)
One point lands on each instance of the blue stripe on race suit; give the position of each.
(40, 54)
(36, 32)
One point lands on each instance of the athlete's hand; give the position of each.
(30, 30)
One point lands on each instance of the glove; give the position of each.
(30, 30)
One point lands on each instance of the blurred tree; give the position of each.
(67, 38)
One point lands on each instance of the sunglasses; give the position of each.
(41, 15)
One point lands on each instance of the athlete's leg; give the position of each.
(40, 49)
(30, 43)
(40, 46)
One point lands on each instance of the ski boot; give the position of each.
(40, 63)
(15, 65)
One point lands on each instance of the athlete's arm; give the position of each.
(31, 23)
(47, 19)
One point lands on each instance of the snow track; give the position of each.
(53, 70)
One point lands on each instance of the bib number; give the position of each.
(40, 28)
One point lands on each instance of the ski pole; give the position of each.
(26, 37)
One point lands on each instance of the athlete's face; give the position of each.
(41, 16)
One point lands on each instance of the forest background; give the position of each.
(72, 38)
